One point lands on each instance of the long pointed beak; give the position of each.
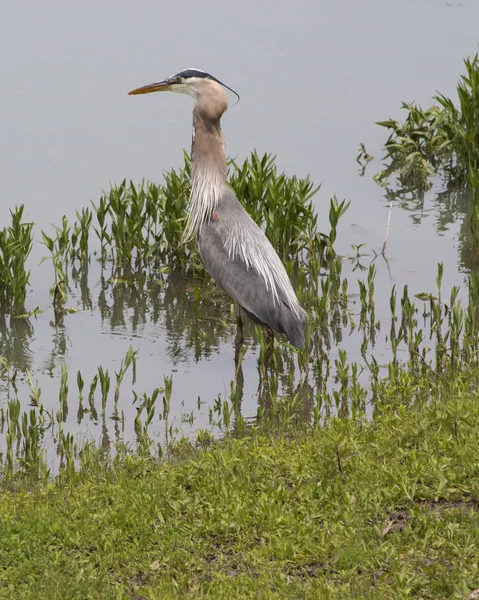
(161, 86)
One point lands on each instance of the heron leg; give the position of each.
(239, 376)
(239, 382)
(239, 340)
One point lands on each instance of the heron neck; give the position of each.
(208, 172)
(208, 158)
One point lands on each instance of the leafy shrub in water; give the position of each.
(415, 148)
(443, 139)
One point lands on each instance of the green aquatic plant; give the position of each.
(80, 235)
(440, 140)
(141, 428)
(129, 360)
(58, 247)
(415, 148)
(461, 123)
(143, 224)
(443, 141)
(16, 242)
(280, 204)
(434, 348)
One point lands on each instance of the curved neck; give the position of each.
(208, 158)
(208, 170)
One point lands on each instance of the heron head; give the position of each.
(190, 81)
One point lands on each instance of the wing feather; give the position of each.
(243, 269)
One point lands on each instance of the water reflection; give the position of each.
(59, 350)
(79, 278)
(448, 205)
(199, 317)
(195, 319)
(262, 378)
(452, 205)
(409, 199)
(16, 336)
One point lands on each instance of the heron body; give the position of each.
(234, 250)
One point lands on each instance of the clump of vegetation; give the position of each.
(415, 148)
(139, 225)
(16, 242)
(443, 139)
(281, 205)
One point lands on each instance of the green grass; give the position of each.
(356, 509)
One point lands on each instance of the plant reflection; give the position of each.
(16, 336)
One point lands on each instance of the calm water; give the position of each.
(313, 77)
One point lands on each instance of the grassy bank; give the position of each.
(357, 509)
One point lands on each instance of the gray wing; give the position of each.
(245, 285)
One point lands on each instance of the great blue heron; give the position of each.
(234, 250)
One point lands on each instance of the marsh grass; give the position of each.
(16, 242)
(141, 225)
(429, 351)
